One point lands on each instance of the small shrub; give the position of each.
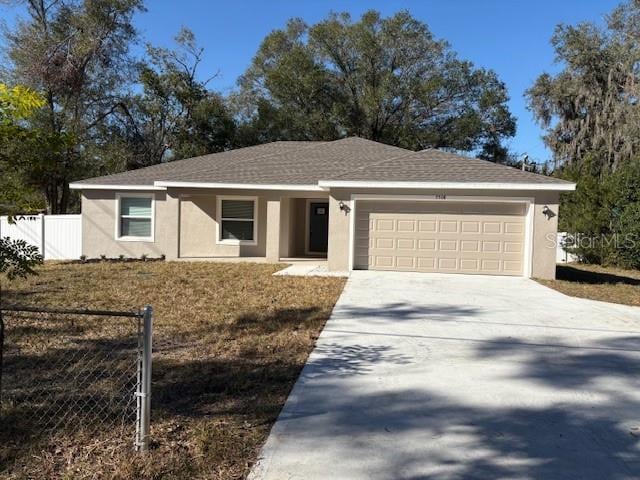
(121, 257)
(83, 258)
(605, 212)
(103, 257)
(18, 258)
(143, 257)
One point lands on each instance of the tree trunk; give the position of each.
(64, 197)
(50, 198)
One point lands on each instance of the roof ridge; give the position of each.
(409, 152)
(244, 160)
(472, 158)
(489, 162)
(314, 144)
(173, 162)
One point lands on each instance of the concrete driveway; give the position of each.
(421, 376)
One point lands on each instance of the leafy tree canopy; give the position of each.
(386, 79)
(592, 119)
(176, 115)
(17, 104)
(590, 108)
(17, 258)
(105, 111)
(76, 54)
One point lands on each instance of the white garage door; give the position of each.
(447, 237)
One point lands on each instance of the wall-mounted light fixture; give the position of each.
(344, 207)
(546, 211)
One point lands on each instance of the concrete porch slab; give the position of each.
(309, 270)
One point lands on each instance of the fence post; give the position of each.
(144, 381)
(43, 244)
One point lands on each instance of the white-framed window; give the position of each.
(237, 220)
(135, 217)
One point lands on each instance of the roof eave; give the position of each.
(103, 186)
(165, 185)
(240, 186)
(326, 184)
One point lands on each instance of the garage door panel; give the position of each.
(427, 244)
(450, 264)
(470, 245)
(470, 264)
(491, 227)
(426, 264)
(426, 225)
(491, 246)
(404, 263)
(448, 245)
(489, 265)
(384, 225)
(382, 243)
(405, 225)
(514, 266)
(448, 226)
(514, 228)
(465, 238)
(470, 226)
(513, 247)
(383, 260)
(406, 243)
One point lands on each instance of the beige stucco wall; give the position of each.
(99, 226)
(544, 236)
(339, 231)
(285, 227)
(198, 227)
(543, 260)
(185, 224)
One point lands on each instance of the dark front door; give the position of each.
(318, 227)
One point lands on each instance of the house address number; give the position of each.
(441, 196)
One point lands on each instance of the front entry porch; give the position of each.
(308, 232)
(254, 226)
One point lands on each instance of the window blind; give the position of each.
(238, 209)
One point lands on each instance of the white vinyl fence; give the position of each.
(562, 256)
(58, 237)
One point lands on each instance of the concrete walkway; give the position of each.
(420, 376)
(309, 270)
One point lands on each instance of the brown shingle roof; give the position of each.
(230, 160)
(307, 163)
(437, 166)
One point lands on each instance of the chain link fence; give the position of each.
(74, 372)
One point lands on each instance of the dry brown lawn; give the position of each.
(229, 339)
(608, 284)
